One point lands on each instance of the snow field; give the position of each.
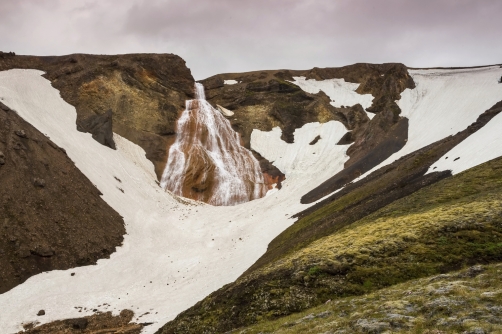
(176, 251)
(480, 147)
(340, 92)
(444, 103)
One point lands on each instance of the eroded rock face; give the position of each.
(207, 162)
(100, 126)
(145, 92)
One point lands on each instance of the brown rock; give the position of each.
(97, 323)
(20, 133)
(4, 107)
(43, 251)
(40, 183)
(101, 128)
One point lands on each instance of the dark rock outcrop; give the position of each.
(100, 126)
(4, 107)
(7, 54)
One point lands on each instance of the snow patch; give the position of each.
(482, 146)
(300, 158)
(340, 92)
(224, 111)
(230, 82)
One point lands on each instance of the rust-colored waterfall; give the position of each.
(207, 162)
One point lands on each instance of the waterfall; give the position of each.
(207, 161)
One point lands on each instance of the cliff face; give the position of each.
(141, 95)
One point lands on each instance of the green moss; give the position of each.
(314, 271)
(440, 304)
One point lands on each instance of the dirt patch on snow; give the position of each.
(98, 323)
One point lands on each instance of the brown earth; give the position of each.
(99, 323)
(145, 93)
(51, 215)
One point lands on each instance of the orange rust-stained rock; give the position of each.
(207, 161)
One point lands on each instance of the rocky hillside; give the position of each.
(51, 215)
(141, 96)
(404, 213)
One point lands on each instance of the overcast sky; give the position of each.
(217, 36)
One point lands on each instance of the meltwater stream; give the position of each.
(207, 162)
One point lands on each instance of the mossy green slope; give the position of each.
(469, 301)
(443, 227)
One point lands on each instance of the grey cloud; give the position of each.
(216, 36)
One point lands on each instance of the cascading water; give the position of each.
(207, 162)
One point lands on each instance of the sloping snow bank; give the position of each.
(300, 158)
(340, 92)
(443, 103)
(175, 251)
(482, 146)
